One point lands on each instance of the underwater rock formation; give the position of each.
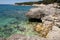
(22, 29)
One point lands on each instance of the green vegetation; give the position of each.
(39, 2)
(51, 1)
(29, 3)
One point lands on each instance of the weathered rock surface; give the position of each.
(2, 38)
(48, 14)
(43, 28)
(23, 37)
(54, 34)
(35, 13)
(53, 18)
(42, 11)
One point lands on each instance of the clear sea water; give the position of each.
(9, 13)
(10, 17)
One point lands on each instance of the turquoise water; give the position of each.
(10, 12)
(12, 18)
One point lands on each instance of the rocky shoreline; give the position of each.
(50, 17)
(48, 26)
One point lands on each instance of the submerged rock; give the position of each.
(5, 25)
(22, 29)
(54, 34)
(13, 22)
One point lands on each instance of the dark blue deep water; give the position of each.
(10, 13)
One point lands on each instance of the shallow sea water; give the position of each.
(14, 21)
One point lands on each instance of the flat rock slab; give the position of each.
(2, 38)
(23, 37)
(54, 34)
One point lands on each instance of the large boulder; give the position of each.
(23, 37)
(41, 11)
(52, 18)
(35, 13)
(54, 34)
